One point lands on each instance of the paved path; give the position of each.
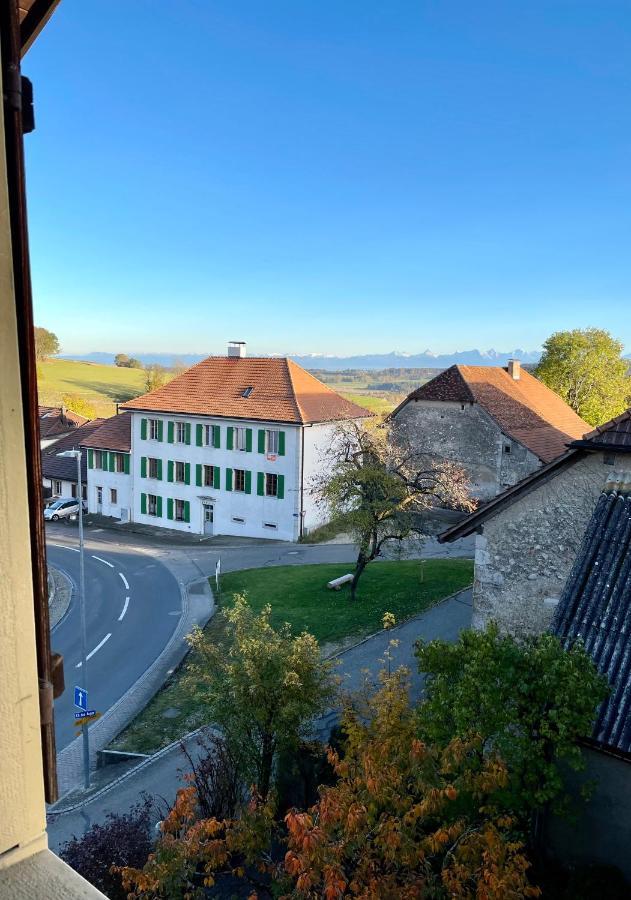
(161, 775)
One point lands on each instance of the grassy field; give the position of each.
(298, 595)
(380, 403)
(102, 386)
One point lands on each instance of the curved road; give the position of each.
(133, 605)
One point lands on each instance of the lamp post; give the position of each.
(76, 454)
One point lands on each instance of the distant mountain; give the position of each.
(393, 360)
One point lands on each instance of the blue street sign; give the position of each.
(87, 712)
(80, 698)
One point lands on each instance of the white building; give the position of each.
(59, 474)
(109, 468)
(228, 447)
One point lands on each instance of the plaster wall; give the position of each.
(464, 433)
(108, 481)
(317, 443)
(525, 553)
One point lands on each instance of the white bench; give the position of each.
(338, 583)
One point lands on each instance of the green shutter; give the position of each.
(216, 477)
(160, 430)
(187, 511)
(169, 507)
(261, 440)
(281, 486)
(170, 470)
(170, 430)
(159, 507)
(228, 479)
(112, 462)
(216, 436)
(199, 434)
(187, 432)
(126, 464)
(104, 460)
(90, 459)
(143, 504)
(230, 438)
(281, 443)
(143, 466)
(143, 429)
(198, 475)
(187, 473)
(248, 482)
(159, 470)
(248, 440)
(260, 483)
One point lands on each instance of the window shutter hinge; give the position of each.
(18, 95)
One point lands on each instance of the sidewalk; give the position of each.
(160, 776)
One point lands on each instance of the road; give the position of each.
(133, 604)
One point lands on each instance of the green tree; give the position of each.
(79, 405)
(261, 688)
(529, 700)
(585, 368)
(155, 377)
(46, 344)
(134, 363)
(122, 360)
(377, 489)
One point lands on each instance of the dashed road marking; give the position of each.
(125, 582)
(111, 565)
(97, 648)
(120, 618)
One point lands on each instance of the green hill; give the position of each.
(102, 386)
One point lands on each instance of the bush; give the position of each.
(122, 841)
(214, 772)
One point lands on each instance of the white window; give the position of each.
(271, 485)
(153, 429)
(152, 504)
(239, 479)
(119, 462)
(180, 432)
(113, 496)
(239, 438)
(180, 472)
(209, 476)
(179, 511)
(271, 440)
(57, 487)
(153, 467)
(98, 459)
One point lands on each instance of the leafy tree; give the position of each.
(123, 840)
(377, 489)
(122, 360)
(46, 344)
(155, 377)
(261, 689)
(529, 700)
(134, 363)
(79, 405)
(585, 368)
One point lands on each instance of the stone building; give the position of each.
(499, 424)
(554, 552)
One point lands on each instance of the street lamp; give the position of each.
(76, 454)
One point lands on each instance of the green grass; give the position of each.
(298, 595)
(102, 386)
(379, 402)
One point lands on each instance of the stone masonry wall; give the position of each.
(465, 434)
(525, 553)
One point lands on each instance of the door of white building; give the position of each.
(99, 499)
(208, 510)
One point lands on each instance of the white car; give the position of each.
(62, 508)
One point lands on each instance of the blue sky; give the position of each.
(330, 176)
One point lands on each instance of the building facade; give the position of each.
(109, 468)
(497, 424)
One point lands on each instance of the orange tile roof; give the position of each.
(113, 434)
(525, 409)
(282, 391)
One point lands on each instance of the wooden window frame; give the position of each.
(208, 473)
(150, 504)
(238, 477)
(179, 506)
(152, 463)
(177, 480)
(153, 429)
(271, 478)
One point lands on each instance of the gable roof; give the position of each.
(65, 468)
(58, 420)
(524, 408)
(595, 607)
(612, 437)
(282, 391)
(112, 434)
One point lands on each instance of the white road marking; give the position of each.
(111, 565)
(97, 648)
(120, 618)
(76, 549)
(125, 582)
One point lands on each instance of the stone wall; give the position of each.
(525, 553)
(465, 434)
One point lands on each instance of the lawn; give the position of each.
(298, 595)
(380, 403)
(102, 386)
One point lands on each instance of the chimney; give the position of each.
(514, 369)
(236, 348)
